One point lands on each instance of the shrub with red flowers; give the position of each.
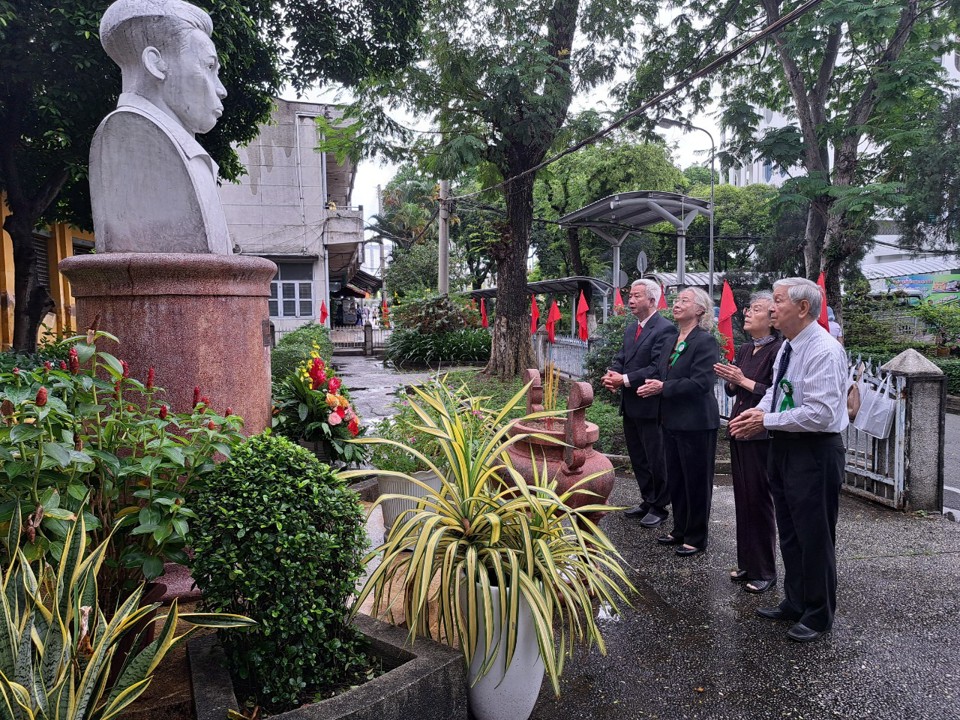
(83, 433)
(311, 404)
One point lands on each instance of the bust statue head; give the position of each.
(165, 54)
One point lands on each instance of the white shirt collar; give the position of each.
(187, 142)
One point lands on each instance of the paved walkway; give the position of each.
(692, 647)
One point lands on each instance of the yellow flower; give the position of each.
(343, 401)
(333, 401)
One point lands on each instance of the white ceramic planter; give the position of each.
(507, 693)
(392, 509)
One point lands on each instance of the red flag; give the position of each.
(534, 315)
(582, 309)
(823, 321)
(384, 314)
(483, 313)
(725, 323)
(617, 302)
(552, 318)
(323, 312)
(662, 303)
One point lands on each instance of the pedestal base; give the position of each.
(198, 320)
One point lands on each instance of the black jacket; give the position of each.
(688, 396)
(640, 360)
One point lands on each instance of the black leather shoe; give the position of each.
(669, 540)
(653, 519)
(684, 551)
(738, 576)
(775, 613)
(637, 511)
(801, 633)
(759, 586)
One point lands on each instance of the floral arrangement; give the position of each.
(311, 404)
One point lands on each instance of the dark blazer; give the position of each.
(640, 360)
(688, 399)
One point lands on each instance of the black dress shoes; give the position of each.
(801, 633)
(637, 511)
(688, 551)
(669, 540)
(776, 613)
(653, 519)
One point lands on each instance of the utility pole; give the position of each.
(383, 255)
(443, 276)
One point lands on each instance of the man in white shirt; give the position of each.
(805, 412)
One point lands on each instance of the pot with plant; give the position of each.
(510, 570)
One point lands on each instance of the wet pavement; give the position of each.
(692, 646)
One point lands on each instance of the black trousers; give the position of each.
(756, 522)
(690, 458)
(806, 471)
(645, 445)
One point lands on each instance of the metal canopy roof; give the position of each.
(560, 286)
(920, 266)
(631, 211)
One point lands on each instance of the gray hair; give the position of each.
(798, 289)
(653, 289)
(703, 301)
(766, 296)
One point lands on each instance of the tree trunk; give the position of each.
(32, 300)
(511, 352)
(818, 215)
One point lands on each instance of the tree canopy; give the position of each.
(495, 80)
(57, 83)
(849, 79)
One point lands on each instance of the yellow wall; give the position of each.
(59, 246)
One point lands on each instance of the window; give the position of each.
(291, 291)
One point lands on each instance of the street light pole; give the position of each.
(686, 127)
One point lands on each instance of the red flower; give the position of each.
(126, 368)
(74, 361)
(341, 411)
(16, 371)
(334, 385)
(41, 397)
(150, 375)
(163, 412)
(63, 365)
(317, 376)
(229, 412)
(48, 366)
(211, 425)
(354, 427)
(196, 395)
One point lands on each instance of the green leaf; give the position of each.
(24, 433)
(116, 369)
(58, 452)
(152, 568)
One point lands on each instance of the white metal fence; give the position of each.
(568, 354)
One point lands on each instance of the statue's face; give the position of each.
(191, 88)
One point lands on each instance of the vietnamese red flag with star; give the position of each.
(823, 321)
(534, 315)
(323, 312)
(618, 308)
(662, 302)
(582, 309)
(483, 313)
(725, 322)
(552, 318)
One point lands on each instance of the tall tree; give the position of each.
(56, 84)
(847, 76)
(495, 79)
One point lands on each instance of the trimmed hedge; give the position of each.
(883, 353)
(416, 348)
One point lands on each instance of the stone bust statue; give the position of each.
(152, 186)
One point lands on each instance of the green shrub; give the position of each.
(435, 314)
(607, 417)
(415, 347)
(951, 368)
(295, 347)
(280, 540)
(607, 341)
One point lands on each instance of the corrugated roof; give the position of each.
(560, 286)
(920, 266)
(635, 210)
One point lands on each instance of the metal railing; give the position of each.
(568, 354)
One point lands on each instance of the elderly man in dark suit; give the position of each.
(644, 342)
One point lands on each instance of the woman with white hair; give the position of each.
(690, 419)
(747, 379)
